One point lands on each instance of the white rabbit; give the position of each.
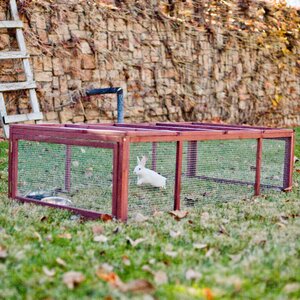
(147, 176)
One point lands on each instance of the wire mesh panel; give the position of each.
(149, 191)
(217, 170)
(76, 176)
(273, 163)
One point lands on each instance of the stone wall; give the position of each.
(170, 68)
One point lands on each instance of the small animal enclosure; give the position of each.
(122, 169)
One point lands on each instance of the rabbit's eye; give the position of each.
(139, 169)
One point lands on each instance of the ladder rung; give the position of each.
(15, 86)
(13, 55)
(11, 24)
(22, 117)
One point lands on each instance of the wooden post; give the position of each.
(115, 181)
(178, 175)
(192, 159)
(123, 170)
(68, 168)
(13, 167)
(288, 162)
(258, 167)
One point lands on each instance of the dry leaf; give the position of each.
(100, 238)
(175, 234)
(209, 252)
(178, 214)
(72, 279)
(136, 242)
(38, 236)
(199, 246)
(43, 218)
(223, 230)
(110, 277)
(137, 286)
(48, 272)
(97, 229)
(160, 277)
(139, 218)
(207, 293)
(106, 217)
(105, 268)
(190, 274)
(126, 260)
(3, 252)
(298, 170)
(157, 213)
(61, 262)
(292, 287)
(171, 253)
(67, 236)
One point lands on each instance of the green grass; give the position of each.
(252, 249)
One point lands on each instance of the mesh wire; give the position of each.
(146, 198)
(217, 171)
(273, 162)
(42, 172)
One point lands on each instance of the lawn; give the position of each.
(247, 248)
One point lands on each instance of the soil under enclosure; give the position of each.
(100, 169)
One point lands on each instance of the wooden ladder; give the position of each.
(29, 84)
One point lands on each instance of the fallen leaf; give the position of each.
(157, 213)
(75, 163)
(3, 252)
(97, 229)
(199, 246)
(67, 236)
(100, 238)
(292, 287)
(223, 230)
(61, 262)
(136, 242)
(171, 253)
(43, 218)
(139, 218)
(160, 277)
(137, 286)
(126, 260)
(72, 279)
(205, 217)
(178, 214)
(209, 252)
(105, 268)
(175, 234)
(38, 236)
(207, 293)
(106, 217)
(48, 272)
(190, 274)
(110, 277)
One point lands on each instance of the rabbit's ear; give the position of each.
(138, 160)
(143, 161)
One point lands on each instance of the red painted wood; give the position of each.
(123, 173)
(84, 212)
(177, 189)
(258, 167)
(14, 168)
(50, 139)
(115, 181)
(289, 163)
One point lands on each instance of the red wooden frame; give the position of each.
(118, 138)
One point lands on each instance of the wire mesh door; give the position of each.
(79, 177)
